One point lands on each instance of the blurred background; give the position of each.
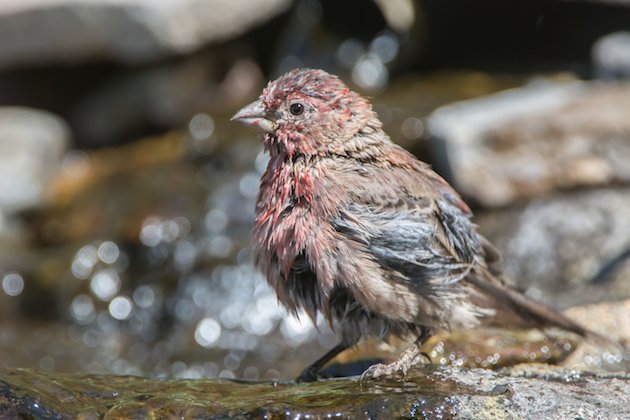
(127, 196)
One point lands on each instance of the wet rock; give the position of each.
(32, 144)
(547, 392)
(128, 31)
(499, 348)
(425, 393)
(554, 246)
(527, 142)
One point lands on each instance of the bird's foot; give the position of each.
(407, 359)
(310, 374)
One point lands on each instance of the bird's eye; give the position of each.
(296, 108)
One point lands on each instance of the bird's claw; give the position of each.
(381, 369)
(406, 361)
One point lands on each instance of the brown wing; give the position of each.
(415, 225)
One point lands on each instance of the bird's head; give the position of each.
(306, 112)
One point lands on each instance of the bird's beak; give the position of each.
(254, 115)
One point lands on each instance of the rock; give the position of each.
(32, 144)
(126, 31)
(424, 393)
(554, 246)
(611, 56)
(527, 142)
(499, 348)
(610, 319)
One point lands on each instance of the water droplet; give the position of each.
(248, 185)
(12, 284)
(227, 374)
(369, 72)
(120, 307)
(105, 284)
(207, 332)
(201, 126)
(87, 255)
(151, 234)
(144, 296)
(220, 246)
(79, 270)
(296, 329)
(184, 255)
(216, 220)
(349, 52)
(385, 46)
(254, 323)
(184, 309)
(108, 252)
(82, 308)
(412, 128)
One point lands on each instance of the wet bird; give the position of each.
(352, 226)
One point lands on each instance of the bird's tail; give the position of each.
(529, 312)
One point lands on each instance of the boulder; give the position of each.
(32, 145)
(125, 31)
(563, 248)
(527, 142)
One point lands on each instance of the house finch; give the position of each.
(351, 225)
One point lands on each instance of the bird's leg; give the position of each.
(310, 373)
(411, 356)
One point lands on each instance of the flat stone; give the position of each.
(527, 142)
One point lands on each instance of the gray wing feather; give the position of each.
(429, 245)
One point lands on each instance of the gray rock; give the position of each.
(611, 56)
(553, 246)
(32, 144)
(527, 142)
(127, 31)
(534, 393)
